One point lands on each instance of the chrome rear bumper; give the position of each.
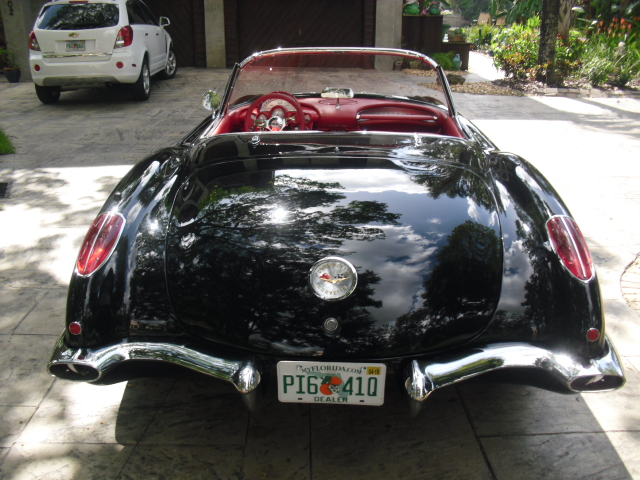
(89, 365)
(421, 376)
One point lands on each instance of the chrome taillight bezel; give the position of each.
(577, 244)
(101, 221)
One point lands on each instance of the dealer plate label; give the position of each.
(331, 382)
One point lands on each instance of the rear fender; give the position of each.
(130, 287)
(541, 301)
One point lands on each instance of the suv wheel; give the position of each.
(48, 95)
(141, 90)
(171, 67)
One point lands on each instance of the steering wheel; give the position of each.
(249, 122)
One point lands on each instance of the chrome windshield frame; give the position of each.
(238, 67)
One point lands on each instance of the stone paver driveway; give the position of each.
(70, 155)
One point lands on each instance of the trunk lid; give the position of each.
(425, 242)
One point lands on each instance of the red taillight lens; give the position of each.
(33, 42)
(124, 38)
(75, 328)
(593, 334)
(99, 242)
(571, 246)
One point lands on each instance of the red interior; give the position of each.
(357, 114)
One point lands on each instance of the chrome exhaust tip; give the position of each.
(75, 372)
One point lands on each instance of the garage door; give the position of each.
(255, 25)
(186, 29)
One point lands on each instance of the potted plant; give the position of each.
(457, 35)
(11, 71)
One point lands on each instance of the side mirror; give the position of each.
(164, 22)
(211, 100)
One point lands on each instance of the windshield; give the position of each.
(78, 16)
(363, 74)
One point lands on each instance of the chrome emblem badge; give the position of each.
(74, 35)
(333, 278)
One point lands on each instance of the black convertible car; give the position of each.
(336, 224)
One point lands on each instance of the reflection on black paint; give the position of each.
(461, 288)
(241, 247)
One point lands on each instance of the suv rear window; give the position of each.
(79, 16)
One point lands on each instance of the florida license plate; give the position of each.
(75, 45)
(331, 382)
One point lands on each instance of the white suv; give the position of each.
(96, 43)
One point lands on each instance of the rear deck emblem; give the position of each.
(333, 278)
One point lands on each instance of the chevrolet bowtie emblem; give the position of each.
(74, 35)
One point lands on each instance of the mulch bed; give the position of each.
(519, 88)
(478, 88)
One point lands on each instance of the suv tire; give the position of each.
(141, 90)
(170, 68)
(48, 95)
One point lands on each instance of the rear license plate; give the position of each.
(75, 45)
(331, 382)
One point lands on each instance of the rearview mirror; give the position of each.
(164, 22)
(334, 92)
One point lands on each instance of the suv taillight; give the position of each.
(33, 42)
(99, 242)
(571, 246)
(124, 38)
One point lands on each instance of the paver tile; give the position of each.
(14, 419)
(24, 379)
(48, 316)
(84, 413)
(384, 442)
(196, 462)
(555, 457)
(45, 461)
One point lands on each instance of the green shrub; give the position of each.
(516, 52)
(482, 35)
(603, 62)
(6, 146)
(445, 60)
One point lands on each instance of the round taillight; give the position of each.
(571, 247)
(99, 242)
(75, 328)
(593, 334)
(36, 67)
(119, 64)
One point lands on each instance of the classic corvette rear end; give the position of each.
(334, 240)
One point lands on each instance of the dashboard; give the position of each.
(349, 114)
